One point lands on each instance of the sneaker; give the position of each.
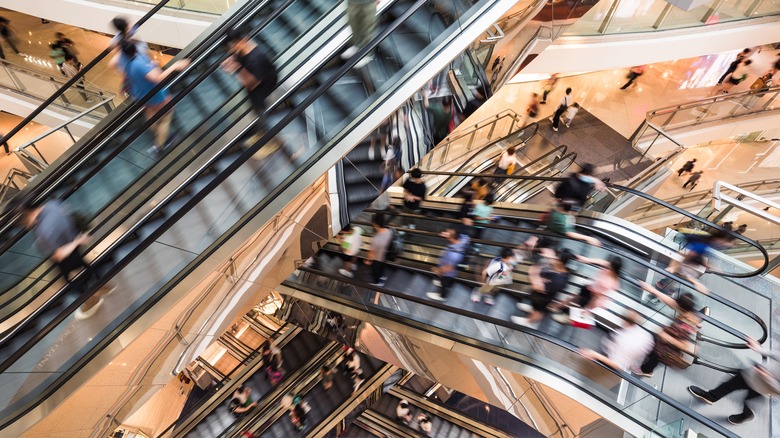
(489, 300)
(525, 307)
(82, 314)
(519, 320)
(435, 296)
(744, 417)
(550, 119)
(638, 372)
(702, 395)
(437, 282)
(350, 52)
(567, 125)
(476, 296)
(380, 283)
(555, 129)
(412, 226)
(346, 273)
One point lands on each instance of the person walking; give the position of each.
(403, 412)
(482, 214)
(547, 279)
(741, 56)
(693, 180)
(362, 19)
(451, 257)
(562, 106)
(380, 243)
(578, 186)
(498, 273)
(256, 73)
(507, 161)
(634, 73)
(8, 34)
(414, 193)
(739, 75)
(350, 239)
(686, 168)
(143, 76)
(757, 380)
(549, 85)
(532, 110)
(67, 45)
(570, 113)
(626, 348)
(58, 56)
(561, 221)
(327, 376)
(242, 401)
(741, 229)
(441, 116)
(71, 69)
(57, 236)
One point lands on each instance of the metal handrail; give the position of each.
(10, 183)
(708, 100)
(95, 91)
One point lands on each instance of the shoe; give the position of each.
(543, 102)
(350, 52)
(412, 226)
(550, 119)
(701, 394)
(82, 314)
(640, 373)
(489, 300)
(437, 282)
(380, 283)
(567, 125)
(346, 273)
(519, 320)
(476, 296)
(744, 417)
(435, 296)
(154, 151)
(363, 62)
(525, 307)
(555, 129)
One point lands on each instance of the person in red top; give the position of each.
(635, 72)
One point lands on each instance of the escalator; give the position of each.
(227, 194)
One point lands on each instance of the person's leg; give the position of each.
(446, 284)
(80, 87)
(557, 118)
(544, 96)
(7, 149)
(631, 77)
(362, 20)
(736, 383)
(651, 361)
(10, 42)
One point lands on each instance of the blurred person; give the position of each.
(466, 210)
(548, 86)
(271, 354)
(298, 417)
(389, 167)
(687, 167)
(506, 162)
(482, 214)
(547, 281)
(577, 186)
(327, 376)
(451, 257)
(626, 348)
(693, 180)
(563, 105)
(741, 56)
(691, 267)
(8, 34)
(67, 45)
(414, 193)
(633, 74)
(442, 113)
(570, 113)
(403, 412)
(739, 75)
(473, 104)
(532, 110)
(595, 294)
(71, 68)
(561, 221)
(57, 54)
(350, 239)
(362, 20)
(480, 188)
(741, 229)
(497, 273)
(351, 362)
(380, 243)
(358, 378)
(274, 372)
(758, 379)
(728, 225)
(59, 239)
(143, 76)
(255, 71)
(424, 421)
(675, 339)
(242, 401)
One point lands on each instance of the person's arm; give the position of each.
(591, 261)
(587, 239)
(666, 299)
(595, 356)
(64, 251)
(681, 344)
(157, 75)
(534, 276)
(426, 102)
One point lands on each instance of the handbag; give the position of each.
(581, 318)
(668, 354)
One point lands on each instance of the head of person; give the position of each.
(379, 221)
(70, 60)
(685, 302)
(565, 207)
(266, 347)
(236, 39)
(631, 318)
(415, 173)
(129, 49)
(348, 229)
(615, 265)
(29, 213)
(54, 46)
(506, 254)
(576, 105)
(748, 62)
(534, 96)
(490, 199)
(59, 35)
(746, 51)
(481, 182)
(693, 161)
(404, 404)
(562, 258)
(568, 91)
(121, 25)
(510, 150)
(742, 227)
(451, 234)
(446, 101)
(325, 369)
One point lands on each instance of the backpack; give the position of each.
(396, 246)
(500, 276)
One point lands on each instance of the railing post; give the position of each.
(753, 8)
(70, 134)
(492, 128)
(608, 18)
(711, 11)
(662, 16)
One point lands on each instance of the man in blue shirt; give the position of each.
(451, 257)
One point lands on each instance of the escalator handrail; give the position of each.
(45, 182)
(493, 143)
(138, 132)
(196, 198)
(571, 156)
(649, 198)
(508, 325)
(708, 100)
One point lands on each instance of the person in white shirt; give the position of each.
(507, 161)
(626, 348)
(350, 239)
(563, 105)
(498, 273)
(570, 113)
(736, 77)
(403, 412)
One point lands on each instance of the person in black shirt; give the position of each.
(255, 72)
(67, 46)
(578, 186)
(7, 34)
(414, 193)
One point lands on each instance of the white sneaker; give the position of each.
(437, 282)
(435, 296)
(489, 300)
(524, 322)
(412, 226)
(346, 273)
(476, 296)
(350, 52)
(555, 129)
(81, 314)
(525, 307)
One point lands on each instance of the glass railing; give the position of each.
(251, 198)
(620, 16)
(213, 7)
(644, 406)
